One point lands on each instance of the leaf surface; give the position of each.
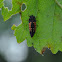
(48, 23)
(1, 3)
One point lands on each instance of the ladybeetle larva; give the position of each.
(32, 25)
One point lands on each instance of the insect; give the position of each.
(32, 25)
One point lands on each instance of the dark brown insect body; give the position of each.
(32, 25)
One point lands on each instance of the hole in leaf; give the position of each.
(8, 3)
(23, 7)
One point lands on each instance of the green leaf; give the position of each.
(48, 20)
(13, 27)
(59, 3)
(1, 3)
(16, 8)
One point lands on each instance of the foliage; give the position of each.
(48, 15)
(1, 3)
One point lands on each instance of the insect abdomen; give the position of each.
(32, 25)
